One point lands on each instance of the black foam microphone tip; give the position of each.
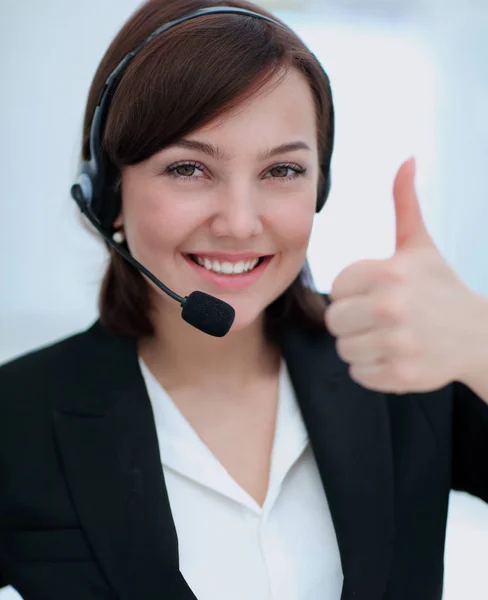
(207, 313)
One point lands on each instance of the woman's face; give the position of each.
(227, 196)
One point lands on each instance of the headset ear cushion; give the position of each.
(110, 207)
(106, 200)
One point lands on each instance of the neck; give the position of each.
(179, 355)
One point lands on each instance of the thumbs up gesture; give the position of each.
(406, 323)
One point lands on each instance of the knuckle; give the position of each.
(330, 319)
(391, 309)
(400, 343)
(393, 271)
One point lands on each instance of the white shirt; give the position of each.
(229, 546)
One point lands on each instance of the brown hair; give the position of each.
(183, 79)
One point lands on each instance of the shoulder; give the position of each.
(38, 360)
(87, 362)
(37, 373)
(72, 373)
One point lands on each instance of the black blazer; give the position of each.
(84, 511)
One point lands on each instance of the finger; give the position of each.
(349, 316)
(358, 278)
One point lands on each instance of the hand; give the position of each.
(403, 324)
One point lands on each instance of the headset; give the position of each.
(97, 199)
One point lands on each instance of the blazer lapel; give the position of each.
(109, 449)
(349, 433)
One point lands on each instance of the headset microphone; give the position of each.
(205, 312)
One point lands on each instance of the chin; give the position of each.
(249, 313)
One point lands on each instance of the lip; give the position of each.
(229, 256)
(230, 282)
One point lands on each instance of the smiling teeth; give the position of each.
(227, 268)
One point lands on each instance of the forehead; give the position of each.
(282, 111)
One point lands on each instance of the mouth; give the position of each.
(227, 275)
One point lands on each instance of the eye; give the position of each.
(281, 172)
(186, 171)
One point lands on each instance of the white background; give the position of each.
(402, 86)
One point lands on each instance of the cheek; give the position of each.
(155, 227)
(293, 226)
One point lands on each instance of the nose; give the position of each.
(238, 212)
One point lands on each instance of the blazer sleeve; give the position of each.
(469, 442)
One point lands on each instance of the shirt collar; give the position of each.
(182, 450)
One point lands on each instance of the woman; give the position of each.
(144, 458)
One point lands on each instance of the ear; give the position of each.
(119, 221)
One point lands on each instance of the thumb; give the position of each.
(410, 227)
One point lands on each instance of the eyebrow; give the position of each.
(218, 154)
